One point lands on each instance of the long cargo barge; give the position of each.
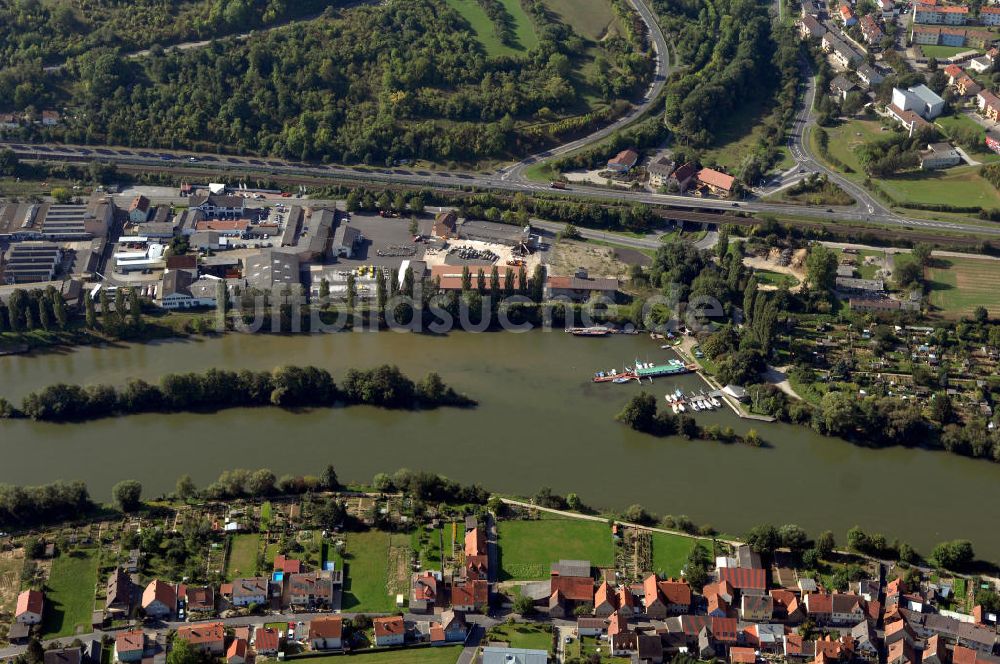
(644, 370)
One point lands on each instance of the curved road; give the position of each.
(661, 51)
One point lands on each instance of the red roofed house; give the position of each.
(901, 652)
(605, 600)
(129, 645)
(744, 578)
(654, 603)
(287, 565)
(847, 16)
(819, 606)
(470, 596)
(266, 641)
(30, 605)
(237, 653)
(717, 183)
(677, 595)
(159, 599)
(627, 605)
(742, 656)
(624, 161)
(424, 592)
(206, 637)
(569, 592)
(989, 105)
(326, 633)
(580, 286)
(445, 224)
(952, 72)
(389, 631)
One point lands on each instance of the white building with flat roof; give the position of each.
(920, 99)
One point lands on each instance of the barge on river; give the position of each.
(644, 370)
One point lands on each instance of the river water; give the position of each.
(541, 422)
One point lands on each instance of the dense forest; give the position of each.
(373, 84)
(49, 32)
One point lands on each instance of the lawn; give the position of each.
(592, 19)
(845, 137)
(528, 548)
(69, 594)
(475, 16)
(777, 279)
(584, 647)
(958, 285)
(960, 186)
(739, 138)
(242, 559)
(948, 123)
(365, 566)
(670, 553)
(441, 655)
(522, 635)
(942, 52)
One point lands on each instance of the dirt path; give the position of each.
(778, 376)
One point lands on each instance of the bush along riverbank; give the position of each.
(285, 387)
(641, 414)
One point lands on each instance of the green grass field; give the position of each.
(739, 138)
(524, 31)
(440, 655)
(777, 279)
(242, 560)
(365, 568)
(958, 285)
(528, 548)
(69, 594)
(523, 636)
(960, 186)
(942, 52)
(670, 553)
(844, 138)
(592, 19)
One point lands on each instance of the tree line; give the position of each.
(642, 414)
(216, 389)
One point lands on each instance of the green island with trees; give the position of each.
(287, 387)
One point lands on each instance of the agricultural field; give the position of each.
(441, 655)
(956, 286)
(960, 186)
(242, 559)
(670, 553)
(476, 17)
(11, 566)
(528, 548)
(366, 565)
(69, 593)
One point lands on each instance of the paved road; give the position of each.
(515, 172)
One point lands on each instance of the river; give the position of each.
(541, 422)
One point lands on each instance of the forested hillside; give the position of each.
(375, 84)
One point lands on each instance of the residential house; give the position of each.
(846, 609)
(756, 608)
(245, 592)
(326, 633)
(841, 86)
(966, 86)
(118, 592)
(980, 638)
(65, 656)
(425, 592)
(952, 71)
(766, 637)
(989, 15)
(939, 155)
(267, 641)
(50, 118)
(649, 649)
(810, 27)
(989, 105)
(586, 626)
(888, 9)
(568, 593)
(898, 630)
(454, 626)
(742, 656)
(30, 606)
(621, 639)
(902, 652)
(681, 178)
(719, 597)
(310, 590)
(661, 168)
(470, 596)
(493, 655)
(205, 637)
(868, 75)
(389, 631)
(841, 52)
(787, 607)
(742, 578)
(934, 651)
(605, 600)
(870, 30)
(798, 648)
(847, 15)
(159, 599)
(717, 183)
(940, 14)
(628, 606)
(199, 599)
(980, 64)
(130, 645)
(580, 287)
(624, 161)
(237, 652)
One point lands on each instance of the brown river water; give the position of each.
(541, 422)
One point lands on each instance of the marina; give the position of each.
(644, 370)
(694, 402)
